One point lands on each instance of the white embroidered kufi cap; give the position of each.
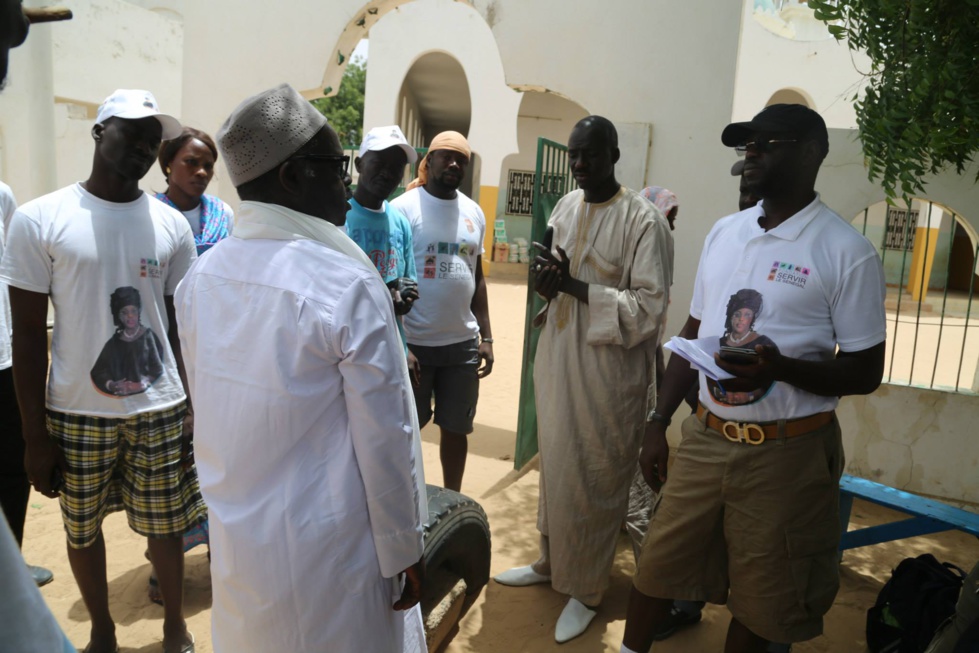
(265, 130)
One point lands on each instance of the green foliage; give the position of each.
(345, 110)
(920, 112)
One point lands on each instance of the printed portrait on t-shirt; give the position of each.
(743, 310)
(132, 359)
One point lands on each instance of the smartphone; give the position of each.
(739, 355)
(57, 480)
(548, 238)
(544, 246)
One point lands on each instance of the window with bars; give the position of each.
(520, 192)
(901, 225)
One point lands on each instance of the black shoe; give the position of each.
(678, 619)
(40, 575)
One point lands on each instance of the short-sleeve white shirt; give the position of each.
(79, 249)
(447, 236)
(7, 207)
(820, 284)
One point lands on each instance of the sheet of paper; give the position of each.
(700, 353)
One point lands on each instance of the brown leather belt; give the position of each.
(756, 433)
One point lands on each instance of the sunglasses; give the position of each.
(762, 146)
(343, 160)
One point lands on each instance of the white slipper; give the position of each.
(521, 577)
(573, 621)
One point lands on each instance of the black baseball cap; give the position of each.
(779, 119)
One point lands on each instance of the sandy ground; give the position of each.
(503, 620)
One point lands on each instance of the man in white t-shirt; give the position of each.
(112, 428)
(750, 514)
(450, 342)
(14, 486)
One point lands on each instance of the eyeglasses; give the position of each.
(343, 160)
(762, 146)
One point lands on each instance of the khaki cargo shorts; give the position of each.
(756, 527)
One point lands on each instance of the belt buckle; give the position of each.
(742, 432)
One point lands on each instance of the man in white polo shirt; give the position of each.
(111, 431)
(750, 514)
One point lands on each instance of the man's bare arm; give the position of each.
(480, 309)
(850, 373)
(672, 390)
(173, 337)
(29, 311)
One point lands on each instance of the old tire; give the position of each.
(457, 538)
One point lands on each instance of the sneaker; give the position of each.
(678, 619)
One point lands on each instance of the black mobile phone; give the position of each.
(739, 355)
(57, 480)
(548, 238)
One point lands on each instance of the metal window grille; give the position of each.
(931, 343)
(901, 226)
(520, 192)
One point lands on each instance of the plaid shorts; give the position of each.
(132, 463)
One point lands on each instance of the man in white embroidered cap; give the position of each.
(305, 416)
(102, 436)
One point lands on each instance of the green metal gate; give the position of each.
(552, 180)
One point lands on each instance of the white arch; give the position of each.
(791, 95)
(401, 38)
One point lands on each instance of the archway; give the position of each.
(791, 96)
(929, 254)
(542, 114)
(434, 97)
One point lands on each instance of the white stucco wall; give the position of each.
(402, 36)
(112, 44)
(823, 70)
(26, 115)
(921, 441)
(64, 72)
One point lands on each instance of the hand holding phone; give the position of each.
(739, 355)
(57, 480)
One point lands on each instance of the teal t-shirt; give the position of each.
(385, 236)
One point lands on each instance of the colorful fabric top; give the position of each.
(217, 220)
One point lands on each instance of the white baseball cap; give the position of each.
(381, 138)
(133, 104)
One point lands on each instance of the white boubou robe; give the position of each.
(306, 438)
(594, 381)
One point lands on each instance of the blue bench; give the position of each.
(927, 515)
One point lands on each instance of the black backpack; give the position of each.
(920, 595)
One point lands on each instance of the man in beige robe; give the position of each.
(607, 286)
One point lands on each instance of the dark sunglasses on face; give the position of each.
(763, 145)
(343, 160)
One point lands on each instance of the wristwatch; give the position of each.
(653, 416)
(489, 340)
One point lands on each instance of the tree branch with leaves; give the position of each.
(345, 110)
(919, 114)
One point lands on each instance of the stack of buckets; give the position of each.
(504, 252)
(519, 251)
(501, 249)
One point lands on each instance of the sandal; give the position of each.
(186, 648)
(153, 590)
